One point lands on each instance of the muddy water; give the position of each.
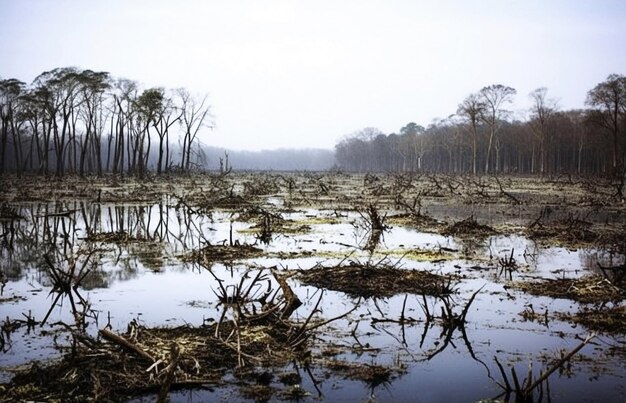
(143, 277)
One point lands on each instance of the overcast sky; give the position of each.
(306, 73)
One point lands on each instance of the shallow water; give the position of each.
(146, 280)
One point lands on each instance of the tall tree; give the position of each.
(471, 109)
(147, 107)
(93, 87)
(10, 91)
(608, 100)
(542, 110)
(195, 115)
(494, 98)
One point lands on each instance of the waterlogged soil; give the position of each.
(318, 286)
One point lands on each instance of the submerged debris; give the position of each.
(365, 280)
(9, 213)
(373, 375)
(588, 289)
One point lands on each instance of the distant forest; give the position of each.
(482, 137)
(85, 122)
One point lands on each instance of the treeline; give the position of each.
(482, 137)
(81, 121)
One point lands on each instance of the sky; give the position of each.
(295, 74)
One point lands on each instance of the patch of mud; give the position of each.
(364, 280)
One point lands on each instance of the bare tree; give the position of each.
(124, 96)
(165, 118)
(195, 115)
(471, 109)
(542, 110)
(494, 97)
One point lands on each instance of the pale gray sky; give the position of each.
(305, 73)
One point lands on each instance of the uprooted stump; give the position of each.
(468, 227)
(588, 289)
(364, 280)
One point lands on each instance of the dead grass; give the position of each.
(371, 374)
(222, 253)
(608, 320)
(468, 227)
(364, 280)
(588, 289)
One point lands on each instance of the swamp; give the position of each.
(328, 286)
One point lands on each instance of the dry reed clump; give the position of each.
(609, 320)
(158, 360)
(364, 280)
(114, 237)
(372, 374)
(223, 253)
(588, 289)
(118, 372)
(468, 227)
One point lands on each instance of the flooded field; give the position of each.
(331, 287)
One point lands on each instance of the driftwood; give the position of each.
(169, 374)
(291, 299)
(122, 342)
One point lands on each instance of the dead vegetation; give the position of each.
(254, 330)
(608, 320)
(468, 227)
(531, 389)
(376, 280)
(210, 254)
(371, 374)
(255, 336)
(588, 289)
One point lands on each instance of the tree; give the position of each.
(148, 107)
(542, 110)
(608, 100)
(167, 115)
(124, 96)
(194, 116)
(93, 87)
(10, 91)
(471, 109)
(60, 89)
(494, 98)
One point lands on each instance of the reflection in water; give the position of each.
(124, 261)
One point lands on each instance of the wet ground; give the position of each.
(413, 288)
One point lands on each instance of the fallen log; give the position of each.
(122, 342)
